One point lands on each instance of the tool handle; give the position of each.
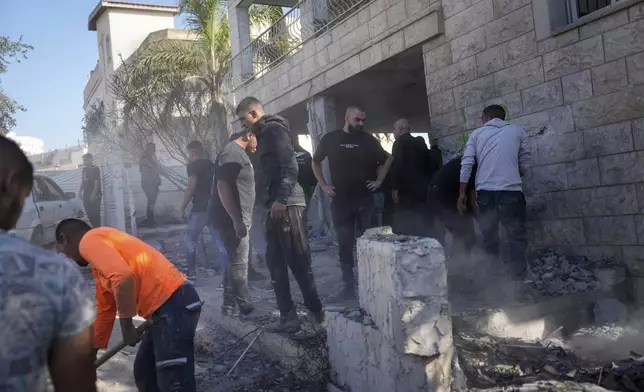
(109, 353)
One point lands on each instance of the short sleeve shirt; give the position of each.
(354, 158)
(43, 298)
(234, 167)
(204, 170)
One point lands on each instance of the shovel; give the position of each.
(114, 350)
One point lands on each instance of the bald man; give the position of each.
(358, 166)
(411, 172)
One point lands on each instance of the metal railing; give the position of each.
(306, 20)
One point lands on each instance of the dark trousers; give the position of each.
(350, 219)
(236, 274)
(165, 360)
(414, 218)
(151, 193)
(288, 247)
(508, 208)
(461, 227)
(93, 210)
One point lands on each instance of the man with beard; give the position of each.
(286, 225)
(358, 166)
(233, 213)
(47, 311)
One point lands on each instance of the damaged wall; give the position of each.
(578, 91)
(402, 338)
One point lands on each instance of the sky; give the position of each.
(50, 83)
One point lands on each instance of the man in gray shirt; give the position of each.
(501, 151)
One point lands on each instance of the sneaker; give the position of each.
(288, 323)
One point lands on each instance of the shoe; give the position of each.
(246, 309)
(312, 328)
(288, 323)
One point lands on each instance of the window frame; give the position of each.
(573, 10)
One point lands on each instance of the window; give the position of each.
(54, 190)
(580, 8)
(40, 191)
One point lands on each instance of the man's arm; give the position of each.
(524, 155)
(280, 143)
(105, 315)
(227, 197)
(384, 169)
(467, 163)
(97, 183)
(227, 173)
(82, 185)
(187, 195)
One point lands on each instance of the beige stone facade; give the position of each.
(577, 88)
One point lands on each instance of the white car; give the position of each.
(44, 208)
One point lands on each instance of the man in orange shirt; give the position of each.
(133, 278)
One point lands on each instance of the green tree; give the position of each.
(10, 51)
(170, 67)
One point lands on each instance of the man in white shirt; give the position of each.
(501, 151)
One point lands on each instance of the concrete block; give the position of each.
(377, 24)
(519, 77)
(583, 173)
(534, 124)
(577, 87)
(322, 58)
(543, 96)
(490, 60)
(447, 124)
(624, 41)
(609, 139)
(345, 27)
(636, 12)
(561, 148)
(423, 327)
(371, 56)
(550, 178)
(503, 7)
(561, 120)
(558, 41)
(416, 6)
(573, 58)
(609, 77)
(437, 59)
(639, 224)
(472, 115)
(520, 49)
(394, 268)
(611, 230)
(351, 66)
(451, 7)
(611, 108)
(622, 168)
(604, 24)
(396, 14)
(635, 67)
(564, 232)
(638, 136)
(610, 200)
(393, 44)
(469, 19)
(423, 29)
(295, 73)
(511, 103)
(442, 102)
(469, 44)
(378, 6)
(509, 26)
(473, 92)
(640, 196)
(334, 75)
(450, 76)
(598, 252)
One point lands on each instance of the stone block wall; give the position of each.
(578, 92)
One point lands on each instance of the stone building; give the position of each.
(570, 71)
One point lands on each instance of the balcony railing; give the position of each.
(308, 19)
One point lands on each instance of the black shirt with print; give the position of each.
(354, 158)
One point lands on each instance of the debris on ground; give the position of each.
(553, 274)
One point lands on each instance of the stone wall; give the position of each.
(579, 93)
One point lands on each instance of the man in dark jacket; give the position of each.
(411, 171)
(286, 226)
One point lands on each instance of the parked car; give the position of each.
(44, 208)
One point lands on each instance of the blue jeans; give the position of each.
(196, 223)
(508, 208)
(165, 361)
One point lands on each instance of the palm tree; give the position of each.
(200, 65)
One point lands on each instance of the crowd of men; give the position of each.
(52, 324)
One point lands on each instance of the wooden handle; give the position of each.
(120, 346)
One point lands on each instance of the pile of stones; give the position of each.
(555, 274)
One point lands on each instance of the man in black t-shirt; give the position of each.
(358, 166)
(233, 213)
(200, 173)
(90, 190)
(442, 200)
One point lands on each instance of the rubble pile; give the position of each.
(552, 274)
